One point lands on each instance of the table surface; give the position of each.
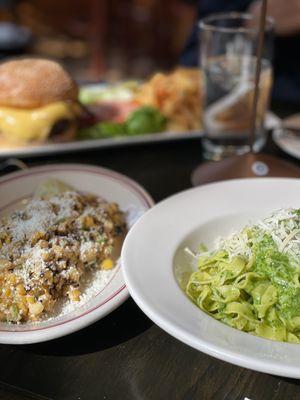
(126, 356)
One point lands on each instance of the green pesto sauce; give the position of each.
(277, 267)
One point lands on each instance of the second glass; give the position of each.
(228, 47)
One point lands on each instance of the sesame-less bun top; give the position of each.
(33, 83)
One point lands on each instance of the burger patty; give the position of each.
(60, 130)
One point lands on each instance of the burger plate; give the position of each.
(47, 149)
(78, 145)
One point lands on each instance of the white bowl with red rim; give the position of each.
(110, 185)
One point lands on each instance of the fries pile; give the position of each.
(178, 96)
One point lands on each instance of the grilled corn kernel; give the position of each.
(58, 251)
(35, 308)
(21, 290)
(74, 295)
(113, 208)
(22, 308)
(37, 236)
(62, 227)
(7, 239)
(5, 264)
(107, 263)
(74, 275)
(11, 279)
(108, 225)
(89, 222)
(47, 256)
(48, 277)
(30, 299)
(89, 256)
(44, 244)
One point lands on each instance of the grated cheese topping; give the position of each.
(283, 226)
(50, 247)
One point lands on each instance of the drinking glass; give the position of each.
(228, 61)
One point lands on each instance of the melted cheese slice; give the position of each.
(20, 125)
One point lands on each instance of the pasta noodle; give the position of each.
(251, 281)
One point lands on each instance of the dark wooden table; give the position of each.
(125, 356)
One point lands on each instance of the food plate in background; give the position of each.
(113, 95)
(173, 96)
(132, 199)
(166, 107)
(56, 148)
(153, 256)
(287, 142)
(287, 135)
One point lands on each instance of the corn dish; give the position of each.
(49, 245)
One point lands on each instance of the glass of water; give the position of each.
(228, 47)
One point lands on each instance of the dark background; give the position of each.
(104, 39)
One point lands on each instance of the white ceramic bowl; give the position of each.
(153, 258)
(108, 184)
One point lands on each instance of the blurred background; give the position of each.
(98, 39)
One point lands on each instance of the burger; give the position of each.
(38, 102)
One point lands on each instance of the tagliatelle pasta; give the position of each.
(251, 281)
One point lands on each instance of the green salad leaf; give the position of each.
(145, 120)
(110, 129)
(141, 121)
(101, 131)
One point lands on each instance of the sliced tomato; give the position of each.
(106, 111)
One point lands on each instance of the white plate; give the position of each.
(288, 142)
(55, 148)
(153, 254)
(112, 186)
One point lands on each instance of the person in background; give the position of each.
(286, 14)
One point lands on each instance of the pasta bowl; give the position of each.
(156, 268)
